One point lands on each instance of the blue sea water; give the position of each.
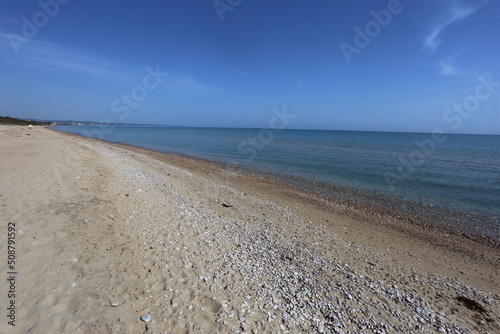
(453, 179)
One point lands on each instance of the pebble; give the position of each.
(321, 327)
(146, 317)
(113, 302)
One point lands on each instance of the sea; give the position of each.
(451, 180)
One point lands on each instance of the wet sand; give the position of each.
(107, 233)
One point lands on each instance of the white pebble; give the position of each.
(146, 317)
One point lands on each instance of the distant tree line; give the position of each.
(16, 121)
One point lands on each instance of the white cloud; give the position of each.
(451, 66)
(447, 69)
(448, 66)
(41, 55)
(187, 84)
(457, 11)
(240, 72)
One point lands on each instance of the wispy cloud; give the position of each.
(240, 72)
(186, 84)
(448, 66)
(42, 55)
(457, 11)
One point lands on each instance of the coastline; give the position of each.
(427, 226)
(191, 243)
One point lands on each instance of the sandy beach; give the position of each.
(112, 239)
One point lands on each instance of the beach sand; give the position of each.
(105, 234)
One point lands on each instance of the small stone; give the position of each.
(85, 220)
(174, 302)
(441, 330)
(321, 327)
(146, 317)
(113, 302)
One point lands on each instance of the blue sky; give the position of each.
(231, 62)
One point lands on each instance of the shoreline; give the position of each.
(113, 239)
(437, 233)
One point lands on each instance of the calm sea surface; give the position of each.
(453, 179)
